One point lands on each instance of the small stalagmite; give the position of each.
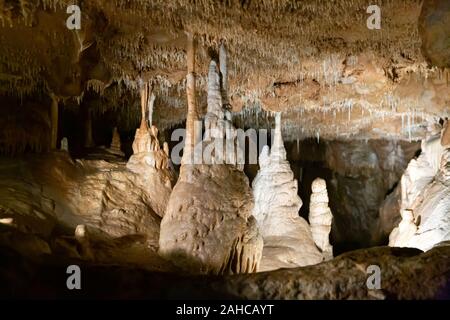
(320, 217)
(82, 236)
(65, 144)
(208, 227)
(116, 146)
(288, 241)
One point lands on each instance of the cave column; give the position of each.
(54, 121)
(192, 113)
(223, 71)
(145, 90)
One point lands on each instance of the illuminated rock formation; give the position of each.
(146, 147)
(220, 141)
(288, 241)
(150, 160)
(65, 144)
(82, 236)
(208, 226)
(320, 217)
(401, 235)
(425, 195)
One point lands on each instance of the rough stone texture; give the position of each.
(320, 217)
(434, 28)
(208, 227)
(363, 174)
(44, 200)
(332, 76)
(288, 241)
(406, 274)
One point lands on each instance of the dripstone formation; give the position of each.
(288, 241)
(320, 217)
(208, 227)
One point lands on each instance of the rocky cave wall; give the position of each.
(359, 177)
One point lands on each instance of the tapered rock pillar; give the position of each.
(116, 146)
(54, 114)
(192, 113)
(224, 72)
(288, 241)
(320, 217)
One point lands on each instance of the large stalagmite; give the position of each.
(208, 226)
(425, 196)
(288, 241)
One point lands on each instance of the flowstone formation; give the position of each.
(208, 227)
(320, 217)
(288, 241)
(425, 196)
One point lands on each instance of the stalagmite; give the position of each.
(425, 196)
(208, 226)
(320, 217)
(65, 144)
(116, 146)
(288, 241)
(82, 236)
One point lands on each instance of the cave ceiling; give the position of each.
(315, 60)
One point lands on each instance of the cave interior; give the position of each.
(341, 124)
